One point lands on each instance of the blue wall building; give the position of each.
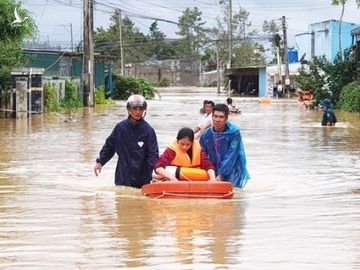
(322, 39)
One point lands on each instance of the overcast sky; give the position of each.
(53, 17)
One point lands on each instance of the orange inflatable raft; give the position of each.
(188, 189)
(193, 184)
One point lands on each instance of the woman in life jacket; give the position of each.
(184, 152)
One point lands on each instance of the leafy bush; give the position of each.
(350, 97)
(326, 79)
(71, 102)
(100, 96)
(126, 86)
(51, 102)
(145, 88)
(340, 73)
(313, 77)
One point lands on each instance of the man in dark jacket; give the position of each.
(135, 143)
(329, 118)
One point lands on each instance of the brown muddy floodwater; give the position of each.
(300, 210)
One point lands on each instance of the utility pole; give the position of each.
(72, 40)
(230, 42)
(121, 43)
(286, 59)
(279, 65)
(218, 67)
(88, 54)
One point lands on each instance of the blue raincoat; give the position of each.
(137, 149)
(227, 153)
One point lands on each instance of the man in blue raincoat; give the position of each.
(329, 118)
(225, 149)
(135, 143)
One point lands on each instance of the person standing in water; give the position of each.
(135, 143)
(329, 118)
(206, 120)
(224, 147)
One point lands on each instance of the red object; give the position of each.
(188, 189)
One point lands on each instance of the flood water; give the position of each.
(300, 210)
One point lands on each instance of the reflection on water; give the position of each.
(299, 210)
(141, 232)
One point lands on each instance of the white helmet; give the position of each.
(136, 101)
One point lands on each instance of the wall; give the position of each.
(303, 45)
(346, 38)
(262, 82)
(325, 39)
(181, 72)
(48, 61)
(210, 78)
(65, 64)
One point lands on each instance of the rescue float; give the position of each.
(193, 183)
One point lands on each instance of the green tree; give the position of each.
(71, 102)
(193, 33)
(100, 96)
(217, 44)
(126, 86)
(313, 77)
(326, 79)
(249, 54)
(135, 43)
(350, 97)
(51, 102)
(245, 50)
(11, 37)
(340, 73)
(159, 48)
(272, 29)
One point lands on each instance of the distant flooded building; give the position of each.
(247, 81)
(64, 64)
(322, 39)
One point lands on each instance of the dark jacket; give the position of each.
(137, 149)
(328, 117)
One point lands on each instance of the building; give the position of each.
(63, 64)
(247, 81)
(259, 81)
(272, 78)
(322, 39)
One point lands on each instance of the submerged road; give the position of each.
(300, 210)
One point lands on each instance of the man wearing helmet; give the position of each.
(329, 118)
(135, 143)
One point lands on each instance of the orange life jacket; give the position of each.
(182, 159)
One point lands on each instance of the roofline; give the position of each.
(67, 53)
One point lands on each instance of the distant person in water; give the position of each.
(206, 120)
(135, 143)
(231, 106)
(329, 118)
